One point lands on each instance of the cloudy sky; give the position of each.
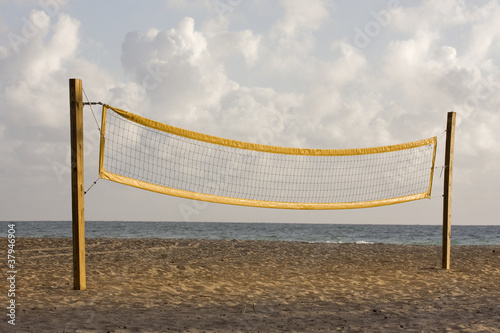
(315, 74)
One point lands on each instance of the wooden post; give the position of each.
(448, 177)
(77, 189)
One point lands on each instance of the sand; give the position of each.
(252, 286)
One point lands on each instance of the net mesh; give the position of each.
(142, 153)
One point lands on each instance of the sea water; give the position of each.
(301, 232)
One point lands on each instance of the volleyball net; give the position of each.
(146, 154)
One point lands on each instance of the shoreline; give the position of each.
(191, 285)
(92, 240)
(332, 233)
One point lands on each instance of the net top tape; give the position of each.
(265, 148)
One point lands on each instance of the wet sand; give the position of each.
(150, 285)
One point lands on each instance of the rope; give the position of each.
(95, 182)
(90, 104)
(440, 134)
(442, 167)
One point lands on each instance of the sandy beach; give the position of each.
(150, 285)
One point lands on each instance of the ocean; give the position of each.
(314, 233)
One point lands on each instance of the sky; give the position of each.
(312, 74)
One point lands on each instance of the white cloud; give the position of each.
(332, 99)
(291, 39)
(301, 17)
(431, 15)
(32, 77)
(227, 44)
(266, 82)
(176, 71)
(35, 117)
(188, 5)
(484, 36)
